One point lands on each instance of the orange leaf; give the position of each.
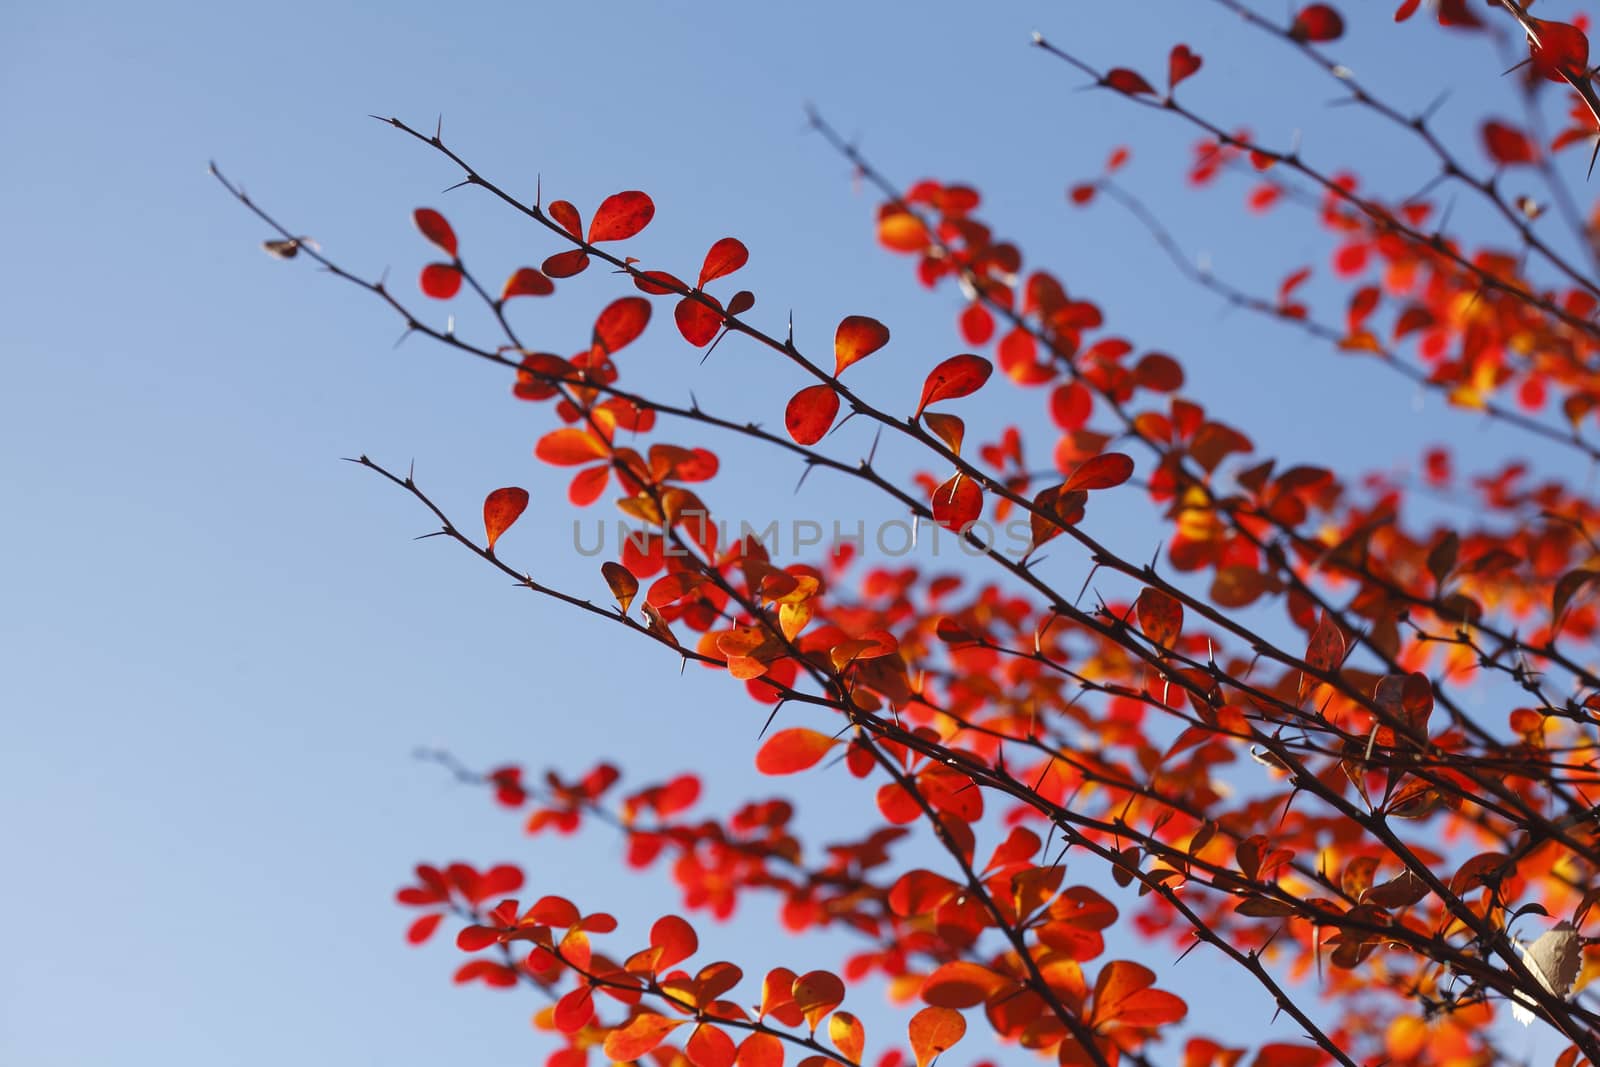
(947, 428)
(901, 231)
(501, 508)
(725, 257)
(620, 216)
(760, 1050)
(1104, 471)
(709, 1046)
(1122, 994)
(674, 941)
(857, 338)
(793, 750)
(673, 587)
(1281, 1054)
(810, 413)
(816, 993)
(961, 984)
(624, 586)
(1160, 616)
(440, 281)
(435, 229)
(935, 1030)
(1326, 650)
(569, 446)
(956, 377)
(847, 1035)
(957, 503)
(642, 1034)
(527, 282)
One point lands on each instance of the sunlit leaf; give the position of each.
(724, 257)
(934, 1030)
(956, 377)
(810, 413)
(620, 216)
(857, 338)
(501, 508)
(793, 750)
(527, 282)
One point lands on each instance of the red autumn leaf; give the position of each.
(857, 338)
(920, 892)
(566, 264)
(956, 377)
(957, 503)
(1282, 1054)
(1070, 406)
(423, 928)
(935, 1030)
(1123, 995)
(1561, 52)
(793, 750)
(724, 257)
(674, 941)
(1127, 81)
(961, 984)
(587, 485)
(436, 229)
(621, 323)
(1317, 22)
(741, 302)
(673, 587)
(527, 282)
(696, 321)
(1160, 616)
(440, 280)
(502, 508)
(567, 215)
(1181, 64)
(1104, 471)
(1406, 9)
(624, 586)
(574, 1010)
(709, 1046)
(810, 413)
(1506, 144)
(640, 1036)
(474, 938)
(1327, 647)
(760, 1050)
(658, 283)
(620, 216)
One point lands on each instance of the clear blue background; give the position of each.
(220, 645)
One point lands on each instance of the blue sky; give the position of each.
(220, 644)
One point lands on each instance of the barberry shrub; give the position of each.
(1338, 738)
